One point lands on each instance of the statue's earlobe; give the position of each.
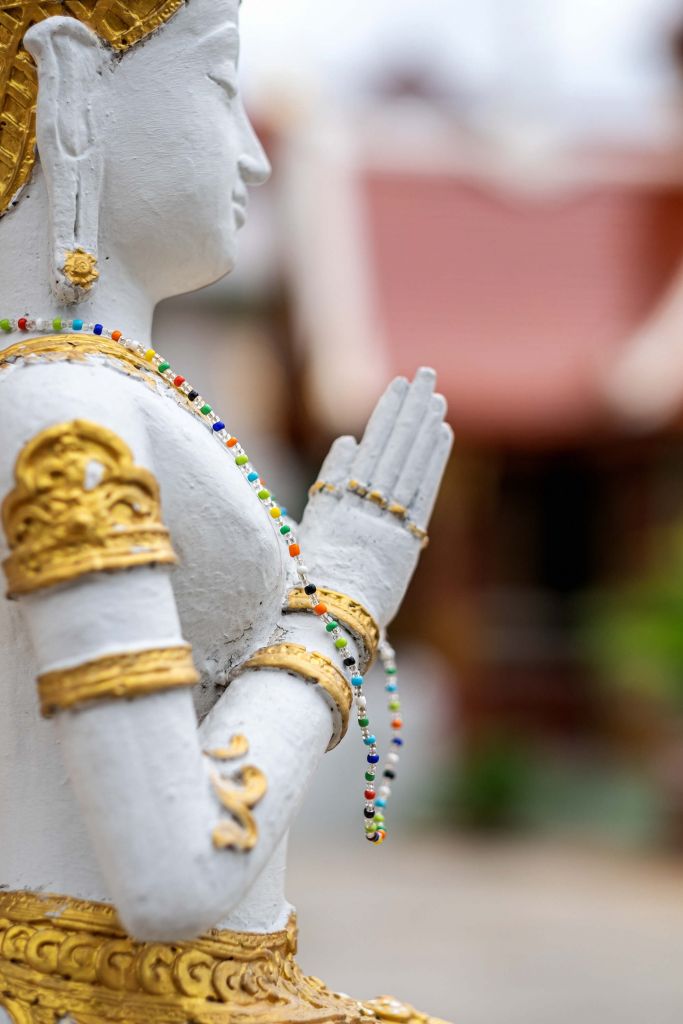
(70, 61)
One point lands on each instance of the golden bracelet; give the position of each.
(367, 493)
(357, 619)
(314, 668)
(117, 676)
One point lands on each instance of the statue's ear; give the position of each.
(70, 61)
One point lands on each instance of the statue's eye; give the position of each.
(225, 76)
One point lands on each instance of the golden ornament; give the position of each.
(80, 267)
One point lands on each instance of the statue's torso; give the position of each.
(229, 587)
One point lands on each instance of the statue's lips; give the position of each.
(239, 205)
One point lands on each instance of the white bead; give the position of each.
(301, 568)
(392, 758)
(362, 703)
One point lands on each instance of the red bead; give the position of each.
(397, 723)
(178, 381)
(320, 609)
(294, 550)
(21, 323)
(370, 794)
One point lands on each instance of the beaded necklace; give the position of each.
(376, 799)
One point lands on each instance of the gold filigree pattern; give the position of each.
(121, 23)
(238, 746)
(387, 1008)
(80, 505)
(116, 677)
(80, 267)
(350, 613)
(314, 668)
(62, 957)
(239, 796)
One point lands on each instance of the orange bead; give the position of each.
(115, 335)
(320, 609)
(294, 550)
(397, 723)
(232, 442)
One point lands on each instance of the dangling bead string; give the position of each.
(375, 800)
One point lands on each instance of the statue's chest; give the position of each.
(230, 580)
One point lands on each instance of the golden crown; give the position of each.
(121, 23)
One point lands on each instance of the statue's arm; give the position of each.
(115, 674)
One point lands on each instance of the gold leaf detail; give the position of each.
(76, 961)
(239, 796)
(117, 676)
(80, 505)
(238, 746)
(121, 23)
(80, 267)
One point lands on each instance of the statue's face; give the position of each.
(179, 151)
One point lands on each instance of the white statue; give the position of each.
(111, 470)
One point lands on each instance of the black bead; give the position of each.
(368, 813)
(349, 662)
(192, 395)
(389, 774)
(310, 589)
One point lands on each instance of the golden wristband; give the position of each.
(314, 668)
(349, 613)
(117, 676)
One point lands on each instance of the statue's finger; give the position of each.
(413, 469)
(336, 468)
(423, 505)
(378, 429)
(412, 414)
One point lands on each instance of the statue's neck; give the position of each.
(117, 301)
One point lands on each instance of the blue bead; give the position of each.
(251, 477)
(283, 510)
(373, 758)
(397, 741)
(78, 325)
(380, 801)
(97, 329)
(219, 426)
(357, 680)
(370, 741)
(391, 687)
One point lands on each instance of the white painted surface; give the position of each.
(114, 801)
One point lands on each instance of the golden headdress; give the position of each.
(121, 23)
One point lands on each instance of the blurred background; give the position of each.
(496, 190)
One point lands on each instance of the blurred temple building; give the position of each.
(495, 190)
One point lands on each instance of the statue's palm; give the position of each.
(351, 543)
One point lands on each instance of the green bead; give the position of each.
(363, 722)
(369, 776)
(205, 409)
(162, 367)
(6, 325)
(390, 671)
(341, 643)
(370, 826)
(284, 530)
(57, 324)
(241, 460)
(331, 626)
(395, 705)
(263, 494)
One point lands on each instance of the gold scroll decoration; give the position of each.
(238, 795)
(314, 668)
(121, 23)
(116, 677)
(80, 505)
(67, 958)
(349, 613)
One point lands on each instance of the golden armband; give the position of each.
(349, 613)
(80, 505)
(314, 668)
(117, 676)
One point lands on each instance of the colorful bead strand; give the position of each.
(375, 800)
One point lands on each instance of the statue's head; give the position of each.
(143, 144)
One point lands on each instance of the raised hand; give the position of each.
(363, 527)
